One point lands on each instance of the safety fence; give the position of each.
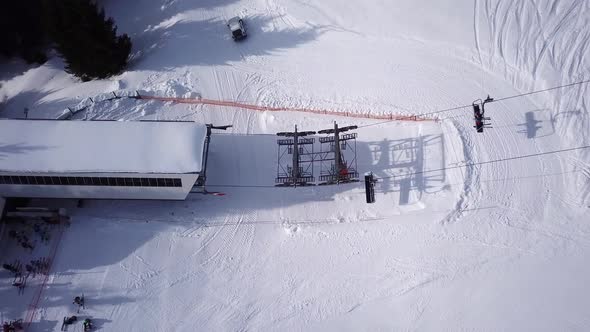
(70, 111)
(201, 101)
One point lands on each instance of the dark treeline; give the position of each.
(78, 29)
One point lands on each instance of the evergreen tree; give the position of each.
(22, 30)
(86, 40)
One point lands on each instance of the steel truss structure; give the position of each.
(337, 158)
(295, 159)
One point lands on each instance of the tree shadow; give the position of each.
(6, 150)
(143, 15)
(208, 42)
(12, 67)
(33, 104)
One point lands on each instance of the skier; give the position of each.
(79, 300)
(87, 324)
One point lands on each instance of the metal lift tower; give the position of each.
(296, 170)
(340, 169)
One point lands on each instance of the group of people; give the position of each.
(13, 268)
(22, 239)
(43, 231)
(87, 323)
(13, 326)
(20, 280)
(40, 265)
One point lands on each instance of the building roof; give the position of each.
(101, 146)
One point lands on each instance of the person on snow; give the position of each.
(78, 300)
(70, 320)
(87, 324)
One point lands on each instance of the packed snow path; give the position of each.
(495, 246)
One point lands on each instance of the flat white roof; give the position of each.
(101, 146)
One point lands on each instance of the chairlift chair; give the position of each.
(479, 114)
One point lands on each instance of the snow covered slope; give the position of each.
(470, 231)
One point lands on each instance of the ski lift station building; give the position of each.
(100, 159)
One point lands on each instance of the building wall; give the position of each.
(100, 192)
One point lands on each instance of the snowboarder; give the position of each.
(68, 321)
(87, 324)
(79, 300)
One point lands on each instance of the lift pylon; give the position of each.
(335, 167)
(296, 169)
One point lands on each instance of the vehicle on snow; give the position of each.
(237, 29)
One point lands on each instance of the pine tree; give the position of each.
(86, 40)
(22, 30)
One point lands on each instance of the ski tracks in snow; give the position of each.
(542, 40)
(529, 43)
(278, 13)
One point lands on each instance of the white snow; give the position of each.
(459, 239)
(39, 146)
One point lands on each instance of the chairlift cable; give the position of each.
(488, 162)
(539, 91)
(495, 100)
(421, 172)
